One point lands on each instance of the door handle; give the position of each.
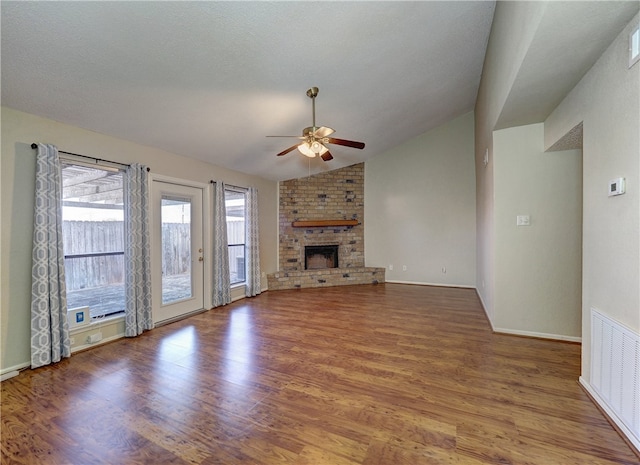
(200, 259)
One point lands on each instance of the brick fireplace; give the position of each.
(323, 211)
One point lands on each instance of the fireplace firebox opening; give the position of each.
(317, 257)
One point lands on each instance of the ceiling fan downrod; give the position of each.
(312, 94)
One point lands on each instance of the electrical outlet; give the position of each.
(404, 267)
(72, 340)
(390, 267)
(444, 270)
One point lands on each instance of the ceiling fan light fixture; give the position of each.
(318, 148)
(305, 150)
(316, 137)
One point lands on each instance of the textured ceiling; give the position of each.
(210, 80)
(570, 38)
(570, 141)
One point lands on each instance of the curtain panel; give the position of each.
(49, 327)
(253, 286)
(221, 294)
(137, 251)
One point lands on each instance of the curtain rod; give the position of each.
(35, 146)
(232, 186)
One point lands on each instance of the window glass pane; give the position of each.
(93, 237)
(236, 263)
(235, 206)
(176, 249)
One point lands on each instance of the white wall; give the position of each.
(420, 207)
(512, 30)
(607, 101)
(17, 171)
(537, 267)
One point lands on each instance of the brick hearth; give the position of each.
(326, 277)
(334, 195)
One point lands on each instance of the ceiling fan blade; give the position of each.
(348, 143)
(284, 152)
(326, 156)
(323, 131)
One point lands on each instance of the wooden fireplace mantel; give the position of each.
(323, 223)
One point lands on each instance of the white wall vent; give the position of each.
(615, 370)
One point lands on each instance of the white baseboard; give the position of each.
(10, 372)
(555, 337)
(628, 434)
(484, 309)
(417, 283)
(15, 370)
(9, 375)
(517, 332)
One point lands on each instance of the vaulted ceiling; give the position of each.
(210, 80)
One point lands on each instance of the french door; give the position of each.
(178, 255)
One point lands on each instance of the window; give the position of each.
(234, 204)
(634, 46)
(93, 238)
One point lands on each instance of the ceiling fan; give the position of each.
(315, 139)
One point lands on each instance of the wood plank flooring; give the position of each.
(370, 375)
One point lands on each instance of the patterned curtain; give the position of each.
(221, 279)
(253, 251)
(137, 251)
(49, 328)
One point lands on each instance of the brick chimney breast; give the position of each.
(332, 195)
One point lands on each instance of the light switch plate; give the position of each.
(523, 220)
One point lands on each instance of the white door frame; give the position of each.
(206, 231)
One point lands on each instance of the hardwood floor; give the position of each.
(388, 374)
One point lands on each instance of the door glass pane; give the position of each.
(176, 249)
